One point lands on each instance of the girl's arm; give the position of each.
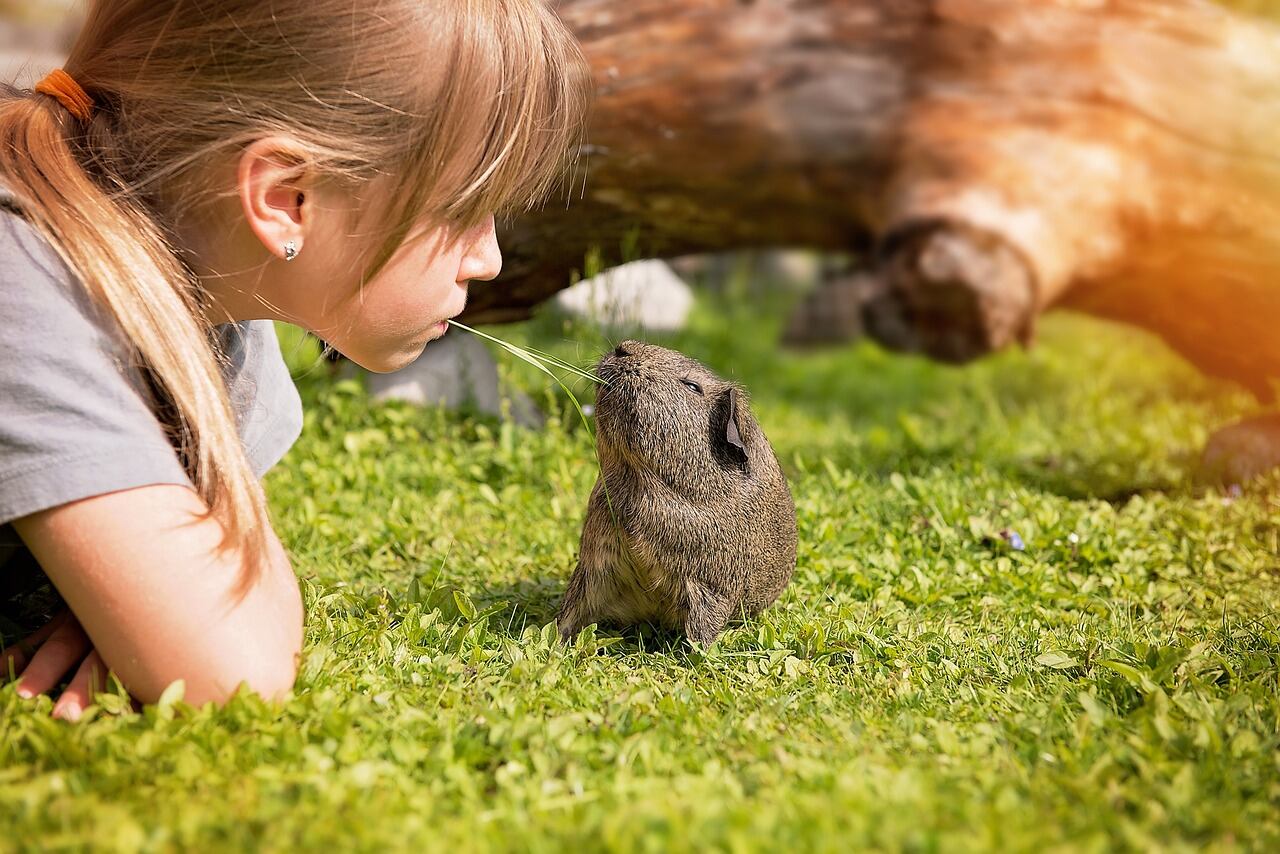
(142, 571)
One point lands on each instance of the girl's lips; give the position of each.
(434, 331)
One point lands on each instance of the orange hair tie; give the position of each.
(61, 85)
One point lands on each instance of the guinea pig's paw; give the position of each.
(574, 633)
(707, 616)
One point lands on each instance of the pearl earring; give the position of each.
(290, 250)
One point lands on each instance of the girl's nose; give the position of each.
(483, 259)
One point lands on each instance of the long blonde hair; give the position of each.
(465, 107)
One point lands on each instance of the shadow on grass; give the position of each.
(28, 599)
(1102, 479)
(535, 602)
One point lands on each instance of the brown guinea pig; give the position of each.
(691, 522)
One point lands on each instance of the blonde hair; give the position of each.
(461, 107)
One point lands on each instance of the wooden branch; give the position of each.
(1001, 156)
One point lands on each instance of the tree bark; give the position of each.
(995, 157)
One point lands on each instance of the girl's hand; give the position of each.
(44, 657)
(149, 574)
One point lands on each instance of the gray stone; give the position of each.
(1243, 451)
(454, 372)
(644, 295)
(833, 313)
(796, 269)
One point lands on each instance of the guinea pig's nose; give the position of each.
(621, 352)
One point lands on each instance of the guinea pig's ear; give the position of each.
(732, 434)
(734, 442)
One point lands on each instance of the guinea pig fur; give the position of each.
(691, 522)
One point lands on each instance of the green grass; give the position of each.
(920, 686)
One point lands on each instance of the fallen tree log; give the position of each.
(995, 158)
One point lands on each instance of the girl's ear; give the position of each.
(274, 197)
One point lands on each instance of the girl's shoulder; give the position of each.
(77, 418)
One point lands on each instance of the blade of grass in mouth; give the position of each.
(537, 358)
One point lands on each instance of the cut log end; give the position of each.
(952, 292)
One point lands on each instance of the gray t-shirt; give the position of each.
(74, 421)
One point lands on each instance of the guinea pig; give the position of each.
(691, 522)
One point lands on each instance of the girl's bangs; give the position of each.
(508, 118)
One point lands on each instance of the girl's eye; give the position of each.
(692, 386)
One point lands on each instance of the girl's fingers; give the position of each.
(14, 658)
(63, 650)
(89, 680)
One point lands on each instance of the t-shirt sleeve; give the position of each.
(74, 420)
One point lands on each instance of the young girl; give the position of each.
(196, 171)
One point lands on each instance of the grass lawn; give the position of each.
(921, 685)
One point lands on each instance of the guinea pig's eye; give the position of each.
(692, 386)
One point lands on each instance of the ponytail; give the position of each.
(114, 246)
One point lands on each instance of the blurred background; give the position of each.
(857, 178)
(34, 35)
